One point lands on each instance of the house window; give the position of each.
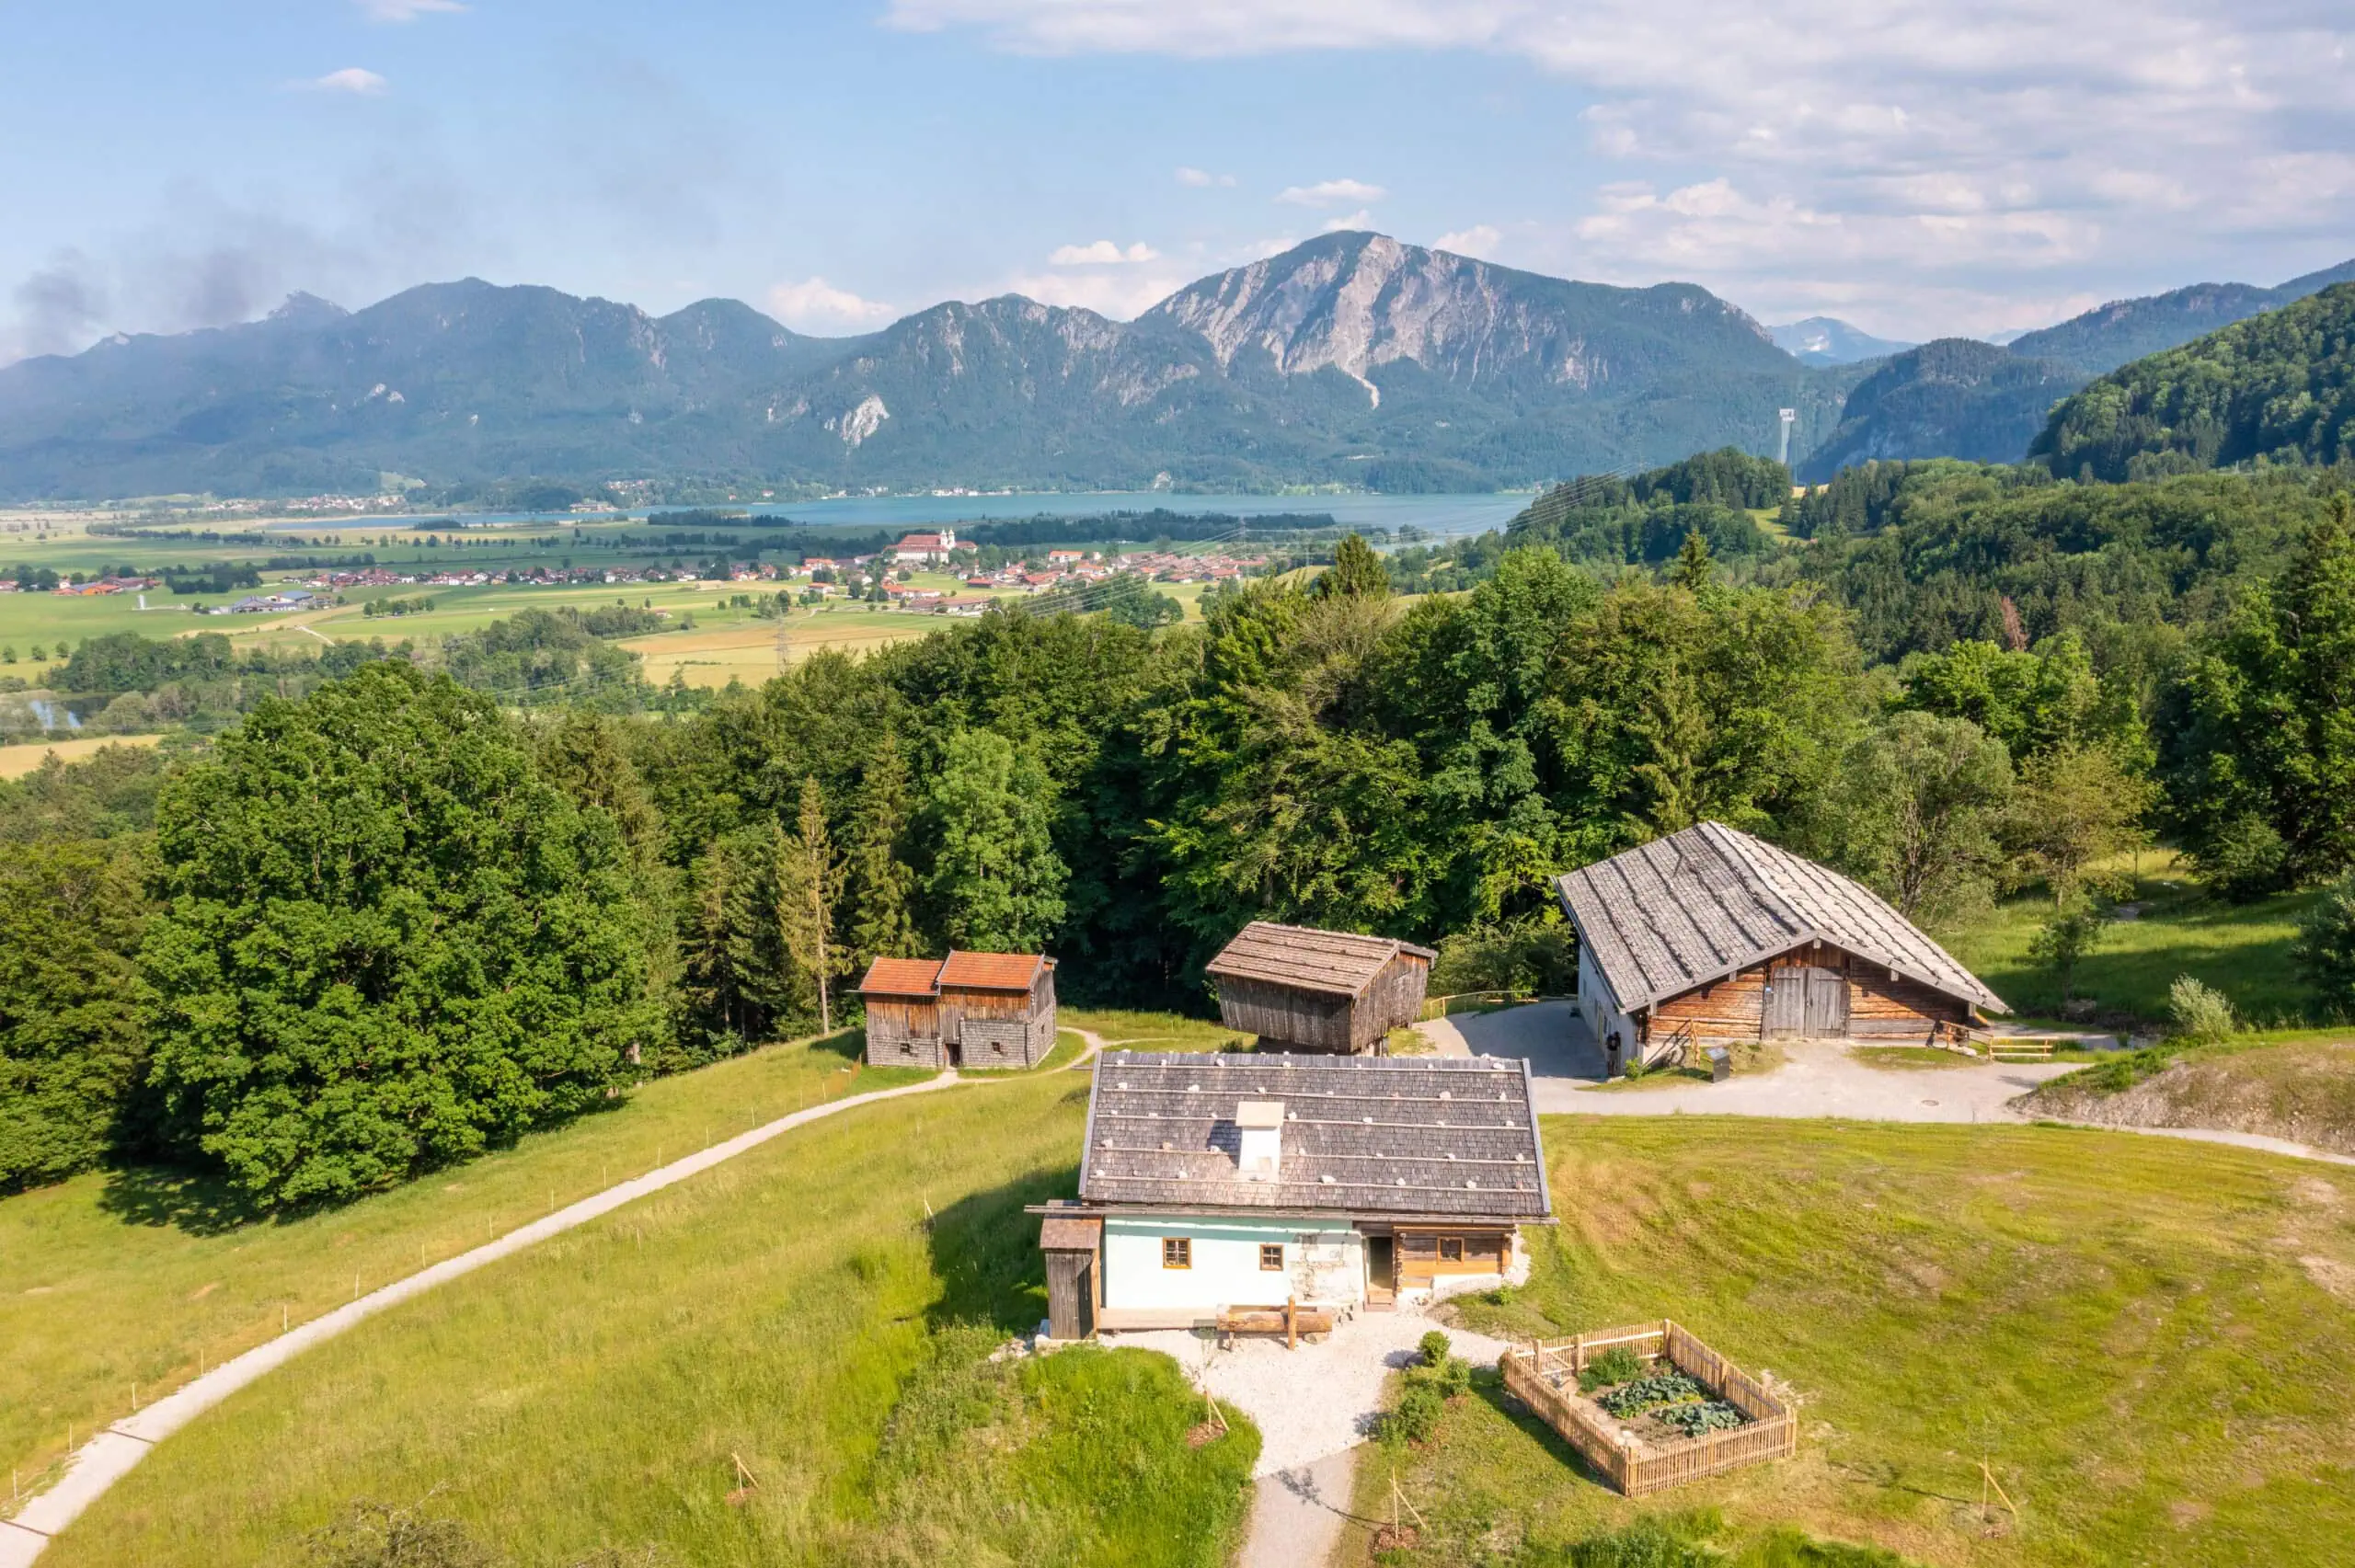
(1176, 1251)
(1451, 1249)
(1420, 1246)
(1271, 1256)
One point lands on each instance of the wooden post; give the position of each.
(1292, 1325)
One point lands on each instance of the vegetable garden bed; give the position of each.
(1659, 1407)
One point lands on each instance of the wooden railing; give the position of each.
(1671, 1050)
(1539, 1373)
(1471, 1002)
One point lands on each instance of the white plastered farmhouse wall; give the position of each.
(1322, 1263)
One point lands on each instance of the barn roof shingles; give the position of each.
(1339, 963)
(1437, 1137)
(1696, 905)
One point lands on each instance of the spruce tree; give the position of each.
(1692, 565)
(1357, 571)
(877, 881)
(806, 889)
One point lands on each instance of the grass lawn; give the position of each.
(2150, 1341)
(818, 1309)
(1155, 1031)
(1912, 1058)
(2241, 950)
(1750, 1058)
(122, 1277)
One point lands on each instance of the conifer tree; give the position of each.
(1357, 572)
(1692, 565)
(806, 888)
(877, 881)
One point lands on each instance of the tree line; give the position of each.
(392, 919)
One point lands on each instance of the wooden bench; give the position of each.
(1291, 1320)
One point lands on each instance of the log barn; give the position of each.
(969, 1010)
(1235, 1183)
(1301, 989)
(1712, 935)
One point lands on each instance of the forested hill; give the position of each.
(1955, 397)
(1964, 399)
(2279, 387)
(1351, 358)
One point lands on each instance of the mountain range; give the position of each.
(1353, 359)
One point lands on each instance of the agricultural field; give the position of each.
(16, 762)
(817, 1312)
(2148, 1342)
(2241, 950)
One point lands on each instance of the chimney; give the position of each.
(1262, 1123)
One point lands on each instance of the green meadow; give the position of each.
(2148, 1342)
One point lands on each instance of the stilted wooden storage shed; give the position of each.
(972, 1009)
(1302, 989)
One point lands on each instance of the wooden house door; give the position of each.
(1827, 1004)
(1786, 1003)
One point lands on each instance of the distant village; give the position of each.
(877, 577)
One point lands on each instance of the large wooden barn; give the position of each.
(969, 1010)
(1713, 935)
(1302, 989)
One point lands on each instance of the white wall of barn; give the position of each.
(1325, 1263)
(1597, 1005)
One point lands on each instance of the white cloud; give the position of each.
(1203, 179)
(405, 10)
(1116, 294)
(1103, 253)
(1330, 193)
(813, 303)
(1361, 219)
(1930, 153)
(1480, 240)
(350, 79)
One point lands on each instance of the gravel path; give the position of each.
(108, 1456)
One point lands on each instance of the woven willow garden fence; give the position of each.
(1538, 1373)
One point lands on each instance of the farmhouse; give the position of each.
(1216, 1183)
(1299, 988)
(1711, 934)
(967, 1010)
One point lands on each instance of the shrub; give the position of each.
(2326, 950)
(2064, 943)
(2202, 1016)
(1433, 1347)
(1453, 1376)
(1416, 1415)
(1616, 1365)
(2121, 1073)
(376, 1534)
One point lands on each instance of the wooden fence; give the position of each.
(1536, 1375)
(1478, 1001)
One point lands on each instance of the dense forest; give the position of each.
(417, 900)
(2278, 388)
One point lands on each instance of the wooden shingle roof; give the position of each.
(1337, 963)
(1442, 1137)
(1697, 906)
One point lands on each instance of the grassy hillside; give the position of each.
(819, 1308)
(2301, 1088)
(116, 1277)
(2149, 1341)
(2241, 950)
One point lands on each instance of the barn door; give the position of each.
(1786, 1003)
(1827, 1004)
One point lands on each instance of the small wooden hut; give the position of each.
(1712, 934)
(969, 1010)
(1302, 989)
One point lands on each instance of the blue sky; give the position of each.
(1915, 168)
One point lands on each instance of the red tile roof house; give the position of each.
(922, 548)
(969, 1010)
